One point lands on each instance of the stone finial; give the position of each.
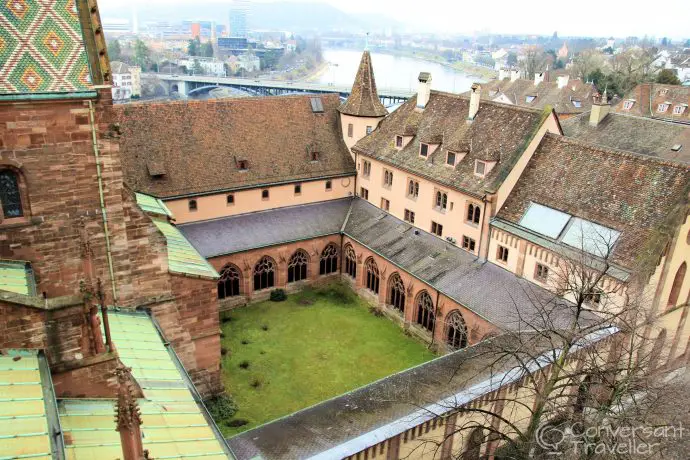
(127, 414)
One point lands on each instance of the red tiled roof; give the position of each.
(364, 100)
(648, 96)
(198, 145)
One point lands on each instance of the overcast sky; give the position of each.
(619, 18)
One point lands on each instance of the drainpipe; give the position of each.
(481, 232)
(102, 199)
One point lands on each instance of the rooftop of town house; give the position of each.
(654, 100)
(176, 149)
(42, 51)
(363, 100)
(573, 97)
(510, 303)
(663, 139)
(498, 131)
(175, 423)
(367, 416)
(630, 194)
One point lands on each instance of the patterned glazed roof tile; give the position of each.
(42, 50)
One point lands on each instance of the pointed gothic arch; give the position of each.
(396, 292)
(264, 273)
(298, 266)
(329, 260)
(230, 282)
(373, 277)
(426, 315)
(677, 285)
(456, 330)
(350, 261)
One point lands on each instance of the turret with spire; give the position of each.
(363, 110)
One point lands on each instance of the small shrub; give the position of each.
(223, 351)
(244, 364)
(264, 327)
(278, 295)
(238, 422)
(376, 310)
(245, 342)
(221, 407)
(256, 383)
(262, 352)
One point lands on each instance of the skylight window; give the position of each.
(590, 237)
(316, 105)
(530, 99)
(544, 220)
(677, 147)
(577, 103)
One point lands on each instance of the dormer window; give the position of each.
(450, 159)
(369, 129)
(192, 205)
(314, 156)
(627, 105)
(423, 150)
(663, 91)
(530, 99)
(662, 107)
(242, 165)
(479, 168)
(398, 142)
(677, 147)
(577, 103)
(679, 109)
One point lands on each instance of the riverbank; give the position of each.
(471, 70)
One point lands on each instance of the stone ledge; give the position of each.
(84, 362)
(40, 303)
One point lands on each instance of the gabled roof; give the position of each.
(175, 425)
(630, 193)
(364, 99)
(152, 205)
(547, 93)
(42, 52)
(635, 134)
(175, 149)
(646, 98)
(503, 130)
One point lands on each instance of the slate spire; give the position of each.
(364, 100)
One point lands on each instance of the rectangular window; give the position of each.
(594, 297)
(242, 165)
(366, 168)
(468, 243)
(329, 185)
(230, 199)
(424, 150)
(409, 216)
(479, 168)
(436, 228)
(385, 204)
(298, 189)
(541, 273)
(662, 108)
(192, 205)
(398, 141)
(502, 254)
(387, 178)
(364, 193)
(627, 105)
(369, 130)
(350, 128)
(264, 194)
(450, 159)
(412, 188)
(678, 110)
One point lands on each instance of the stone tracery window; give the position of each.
(396, 292)
(297, 266)
(264, 273)
(350, 261)
(456, 332)
(426, 317)
(373, 278)
(229, 282)
(10, 195)
(329, 260)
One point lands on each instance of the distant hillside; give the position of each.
(291, 16)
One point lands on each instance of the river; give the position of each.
(392, 71)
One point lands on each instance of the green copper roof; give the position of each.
(154, 205)
(42, 50)
(17, 276)
(174, 425)
(182, 257)
(24, 423)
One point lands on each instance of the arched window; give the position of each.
(456, 334)
(677, 284)
(474, 444)
(297, 266)
(329, 260)
(441, 200)
(425, 311)
(350, 261)
(474, 212)
(264, 273)
(10, 195)
(372, 272)
(396, 292)
(229, 282)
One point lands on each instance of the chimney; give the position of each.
(563, 81)
(539, 77)
(128, 416)
(475, 96)
(600, 108)
(514, 75)
(502, 74)
(424, 91)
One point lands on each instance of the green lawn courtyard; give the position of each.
(281, 357)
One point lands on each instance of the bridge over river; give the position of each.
(189, 85)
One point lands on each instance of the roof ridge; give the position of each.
(623, 153)
(466, 97)
(226, 100)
